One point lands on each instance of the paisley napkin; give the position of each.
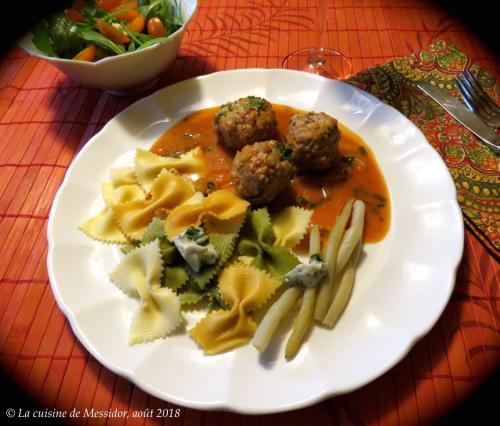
(474, 167)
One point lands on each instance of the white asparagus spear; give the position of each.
(330, 257)
(352, 235)
(305, 316)
(273, 317)
(346, 283)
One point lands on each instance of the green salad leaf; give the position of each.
(103, 42)
(59, 36)
(153, 41)
(42, 40)
(169, 13)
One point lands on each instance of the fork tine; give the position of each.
(474, 97)
(475, 84)
(466, 96)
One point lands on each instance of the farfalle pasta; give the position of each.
(169, 190)
(290, 226)
(139, 275)
(256, 246)
(148, 165)
(190, 240)
(223, 206)
(224, 244)
(244, 289)
(123, 176)
(121, 194)
(122, 188)
(103, 226)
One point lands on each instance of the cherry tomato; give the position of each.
(107, 5)
(74, 15)
(129, 8)
(114, 34)
(79, 5)
(87, 54)
(156, 27)
(137, 24)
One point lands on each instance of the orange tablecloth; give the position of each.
(45, 118)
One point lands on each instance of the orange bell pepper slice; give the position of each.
(114, 34)
(129, 8)
(137, 24)
(87, 54)
(107, 5)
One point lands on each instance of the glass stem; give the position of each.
(316, 57)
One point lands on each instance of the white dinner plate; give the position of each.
(402, 286)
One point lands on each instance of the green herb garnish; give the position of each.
(252, 102)
(349, 159)
(315, 258)
(221, 113)
(197, 235)
(286, 153)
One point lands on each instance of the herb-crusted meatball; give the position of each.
(245, 121)
(313, 138)
(262, 170)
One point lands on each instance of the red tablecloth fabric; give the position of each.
(45, 118)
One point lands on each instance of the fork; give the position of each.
(477, 99)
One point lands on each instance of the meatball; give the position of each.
(262, 170)
(313, 138)
(245, 121)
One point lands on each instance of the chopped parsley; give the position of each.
(315, 258)
(304, 202)
(197, 235)
(252, 102)
(311, 204)
(286, 153)
(224, 109)
(373, 201)
(210, 186)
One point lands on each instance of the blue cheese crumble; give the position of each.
(194, 246)
(307, 274)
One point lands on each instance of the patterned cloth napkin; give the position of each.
(474, 167)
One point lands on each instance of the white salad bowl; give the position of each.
(125, 73)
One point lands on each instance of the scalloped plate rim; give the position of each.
(406, 347)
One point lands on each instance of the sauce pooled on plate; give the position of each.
(356, 175)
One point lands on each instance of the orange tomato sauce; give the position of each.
(325, 192)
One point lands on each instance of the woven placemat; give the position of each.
(45, 118)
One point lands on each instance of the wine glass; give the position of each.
(319, 59)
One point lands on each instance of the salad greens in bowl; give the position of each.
(116, 45)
